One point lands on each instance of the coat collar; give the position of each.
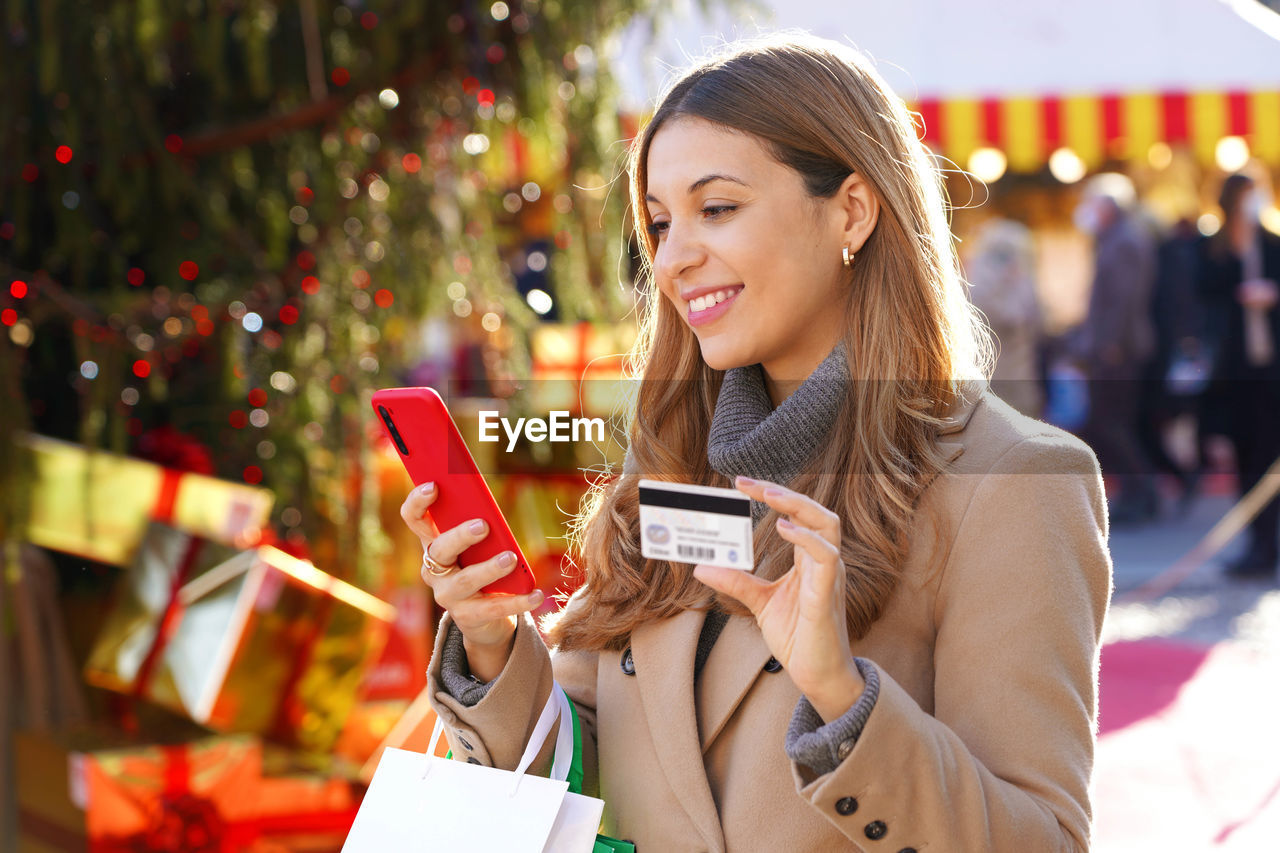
(969, 394)
(663, 652)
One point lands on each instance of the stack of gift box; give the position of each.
(236, 666)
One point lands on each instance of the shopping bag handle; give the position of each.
(562, 763)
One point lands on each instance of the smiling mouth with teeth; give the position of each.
(702, 303)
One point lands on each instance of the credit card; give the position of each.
(695, 524)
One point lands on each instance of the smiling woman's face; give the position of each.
(736, 226)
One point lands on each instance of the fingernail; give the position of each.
(746, 481)
(476, 526)
(427, 488)
(506, 558)
(535, 597)
(782, 522)
(773, 493)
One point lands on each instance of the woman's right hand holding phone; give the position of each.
(487, 621)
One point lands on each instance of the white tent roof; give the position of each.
(991, 48)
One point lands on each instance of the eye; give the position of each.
(710, 211)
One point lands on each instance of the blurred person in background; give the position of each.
(1176, 375)
(1117, 338)
(1238, 274)
(1002, 275)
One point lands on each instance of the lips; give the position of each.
(704, 308)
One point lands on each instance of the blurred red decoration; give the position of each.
(469, 84)
(136, 276)
(8, 316)
(166, 446)
(306, 260)
(383, 298)
(485, 96)
(361, 278)
(257, 397)
(495, 53)
(311, 284)
(271, 339)
(63, 154)
(336, 384)
(253, 475)
(340, 76)
(368, 20)
(411, 163)
(204, 327)
(18, 288)
(189, 270)
(288, 315)
(142, 368)
(238, 419)
(173, 143)
(305, 195)
(30, 172)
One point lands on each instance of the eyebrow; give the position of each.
(703, 181)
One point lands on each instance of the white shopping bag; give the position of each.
(418, 803)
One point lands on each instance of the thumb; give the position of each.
(745, 587)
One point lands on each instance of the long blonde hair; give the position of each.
(910, 334)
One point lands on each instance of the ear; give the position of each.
(855, 209)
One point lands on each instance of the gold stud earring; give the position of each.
(848, 256)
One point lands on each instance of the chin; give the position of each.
(720, 356)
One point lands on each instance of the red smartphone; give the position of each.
(432, 450)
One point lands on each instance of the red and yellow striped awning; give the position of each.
(1100, 127)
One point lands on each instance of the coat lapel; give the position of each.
(663, 652)
(736, 662)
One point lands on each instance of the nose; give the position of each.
(678, 252)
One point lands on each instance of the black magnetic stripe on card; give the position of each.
(697, 502)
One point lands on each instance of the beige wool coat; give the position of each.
(983, 734)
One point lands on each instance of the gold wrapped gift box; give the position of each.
(97, 505)
(263, 642)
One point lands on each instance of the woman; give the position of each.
(1238, 274)
(912, 664)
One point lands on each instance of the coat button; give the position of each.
(907, 850)
(473, 760)
(628, 664)
(843, 750)
(846, 805)
(772, 665)
(875, 830)
(463, 741)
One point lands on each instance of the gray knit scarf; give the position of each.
(750, 437)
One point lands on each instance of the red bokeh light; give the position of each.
(18, 288)
(337, 383)
(253, 475)
(305, 195)
(310, 284)
(204, 327)
(142, 368)
(173, 143)
(63, 154)
(469, 84)
(361, 278)
(135, 427)
(340, 76)
(411, 163)
(383, 298)
(238, 419)
(136, 276)
(8, 316)
(189, 270)
(288, 315)
(306, 260)
(485, 96)
(6, 231)
(368, 20)
(257, 398)
(30, 172)
(495, 53)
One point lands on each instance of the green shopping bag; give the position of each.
(604, 844)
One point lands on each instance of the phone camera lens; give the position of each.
(391, 428)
